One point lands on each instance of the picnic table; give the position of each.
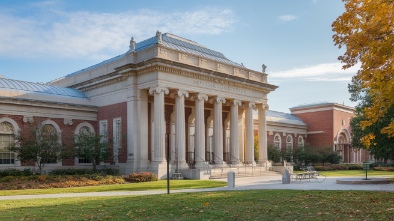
(308, 174)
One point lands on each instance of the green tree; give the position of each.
(366, 30)
(91, 147)
(287, 154)
(274, 154)
(381, 145)
(39, 144)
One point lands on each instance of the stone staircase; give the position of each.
(241, 171)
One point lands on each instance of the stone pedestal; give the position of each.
(231, 179)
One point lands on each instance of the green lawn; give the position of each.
(161, 184)
(356, 173)
(226, 205)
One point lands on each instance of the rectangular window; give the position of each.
(6, 157)
(104, 130)
(117, 138)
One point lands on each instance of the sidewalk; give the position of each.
(245, 183)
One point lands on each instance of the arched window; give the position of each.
(48, 131)
(300, 141)
(289, 142)
(6, 138)
(277, 141)
(84, 130)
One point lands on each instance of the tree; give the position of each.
(366, 30)
(91, 147)
(39, 144)
(380, 144)
(274, 153)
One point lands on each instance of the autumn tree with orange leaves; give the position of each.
(365, 29)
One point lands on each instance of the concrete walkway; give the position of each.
(245, 183)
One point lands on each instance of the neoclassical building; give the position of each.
(165, 91)
(168, 94)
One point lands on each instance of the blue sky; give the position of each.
(45, 40)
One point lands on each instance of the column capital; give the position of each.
(179, 93)
(236, 103)
(249, 105)
(158, 90)
(199, 96)
(217, 99)
(263, 106)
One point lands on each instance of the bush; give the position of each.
(274, 153)
(15, 172)
(384, 168)
(322, 168)
(339, 167)
(141, 177)
(71, 171)
(355, 167)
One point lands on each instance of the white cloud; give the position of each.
(320, 72)
(286, 18)
(54, 32)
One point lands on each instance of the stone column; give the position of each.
(241, 133)
(199, 131)
(159, 124)
(180, 127)
(249, 153)
(234, 145)
(218, 129)
(262, 127)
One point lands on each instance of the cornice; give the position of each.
(47, 104)
(122, 73)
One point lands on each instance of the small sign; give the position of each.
(366, 166)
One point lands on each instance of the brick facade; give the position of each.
(109, 113)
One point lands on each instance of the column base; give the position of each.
(160, 168)
(252, 163)
(201, 165)
(182, 165)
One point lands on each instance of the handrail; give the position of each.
(205, 162)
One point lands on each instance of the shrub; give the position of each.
(355, 167)
(71, 171)
(339, 167)
(15, 172)
(322, 168)
(384, 168)
(274, 154)
(141, 177)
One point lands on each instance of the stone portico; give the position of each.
(175, 87)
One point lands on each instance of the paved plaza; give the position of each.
(245, 183)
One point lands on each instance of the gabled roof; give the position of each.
(280, 117)
(173, 42)
(30, 87)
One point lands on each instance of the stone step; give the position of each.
(217, 175)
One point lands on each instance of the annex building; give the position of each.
(166, 93)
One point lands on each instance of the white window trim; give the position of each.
(118, 143)
(280, 141)
(16, 131)
(291, 141)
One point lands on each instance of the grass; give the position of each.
(161, 184)
(225, 205)
(355, 173)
